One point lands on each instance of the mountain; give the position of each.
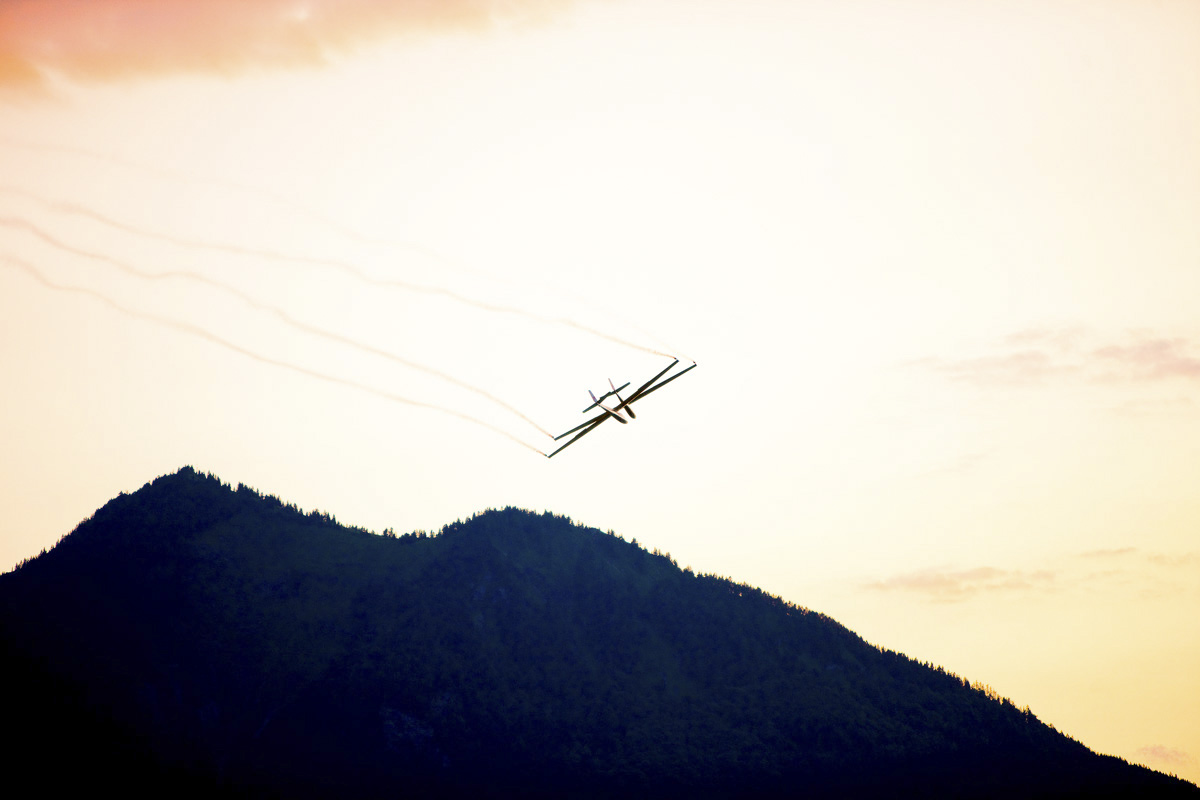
(193, 637)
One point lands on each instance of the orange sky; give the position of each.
(938, 263)
(89, 41)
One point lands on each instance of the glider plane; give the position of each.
(621, 409)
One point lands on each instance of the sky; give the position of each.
(938, 263)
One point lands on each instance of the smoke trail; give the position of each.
(274, 311)
(175, 176)
(163, 173)
(343, 267)
(215, 339)
(216, 247)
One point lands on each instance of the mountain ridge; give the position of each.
(224, 639)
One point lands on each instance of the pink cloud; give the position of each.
(1161, 754)
(1150, 358)
(104, 40)
(1039, 356)
(955, 585)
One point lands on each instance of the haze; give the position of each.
(938, 263)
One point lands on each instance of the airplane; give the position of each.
(620, 409)
(616, 412)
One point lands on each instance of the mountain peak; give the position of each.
(215, 634)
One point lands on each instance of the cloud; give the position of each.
(957, 585)
(1151, 575)
(1150, 358)
(1022, 367)
(1161, 754)
(1112, 552)
(1185, 559)
(1175, 560)
(1040, 356)
(1107, 570)
(106, 40)
(1066, 338)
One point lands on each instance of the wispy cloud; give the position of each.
(950, 585)
(1163, 755)
(1112, 552)
(1060, 338)
(1169, 560)
(103, 40)
(1044, 355)
(1175, 559)
(1020, 367)
(1150, 575)
(1129, 569)
(1149, 358)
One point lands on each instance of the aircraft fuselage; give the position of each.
(614, 412)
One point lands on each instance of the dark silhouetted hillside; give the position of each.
(191, 637)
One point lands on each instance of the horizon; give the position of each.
(937, 263)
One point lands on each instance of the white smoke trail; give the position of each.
(267, 308)
(202, 333)
(344, 267)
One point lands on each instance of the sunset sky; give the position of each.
(939, 264)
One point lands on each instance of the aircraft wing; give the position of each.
(593, 421)
(647, 388)
(583, 429)
(600, 399)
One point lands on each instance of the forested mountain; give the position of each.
(196, 637)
